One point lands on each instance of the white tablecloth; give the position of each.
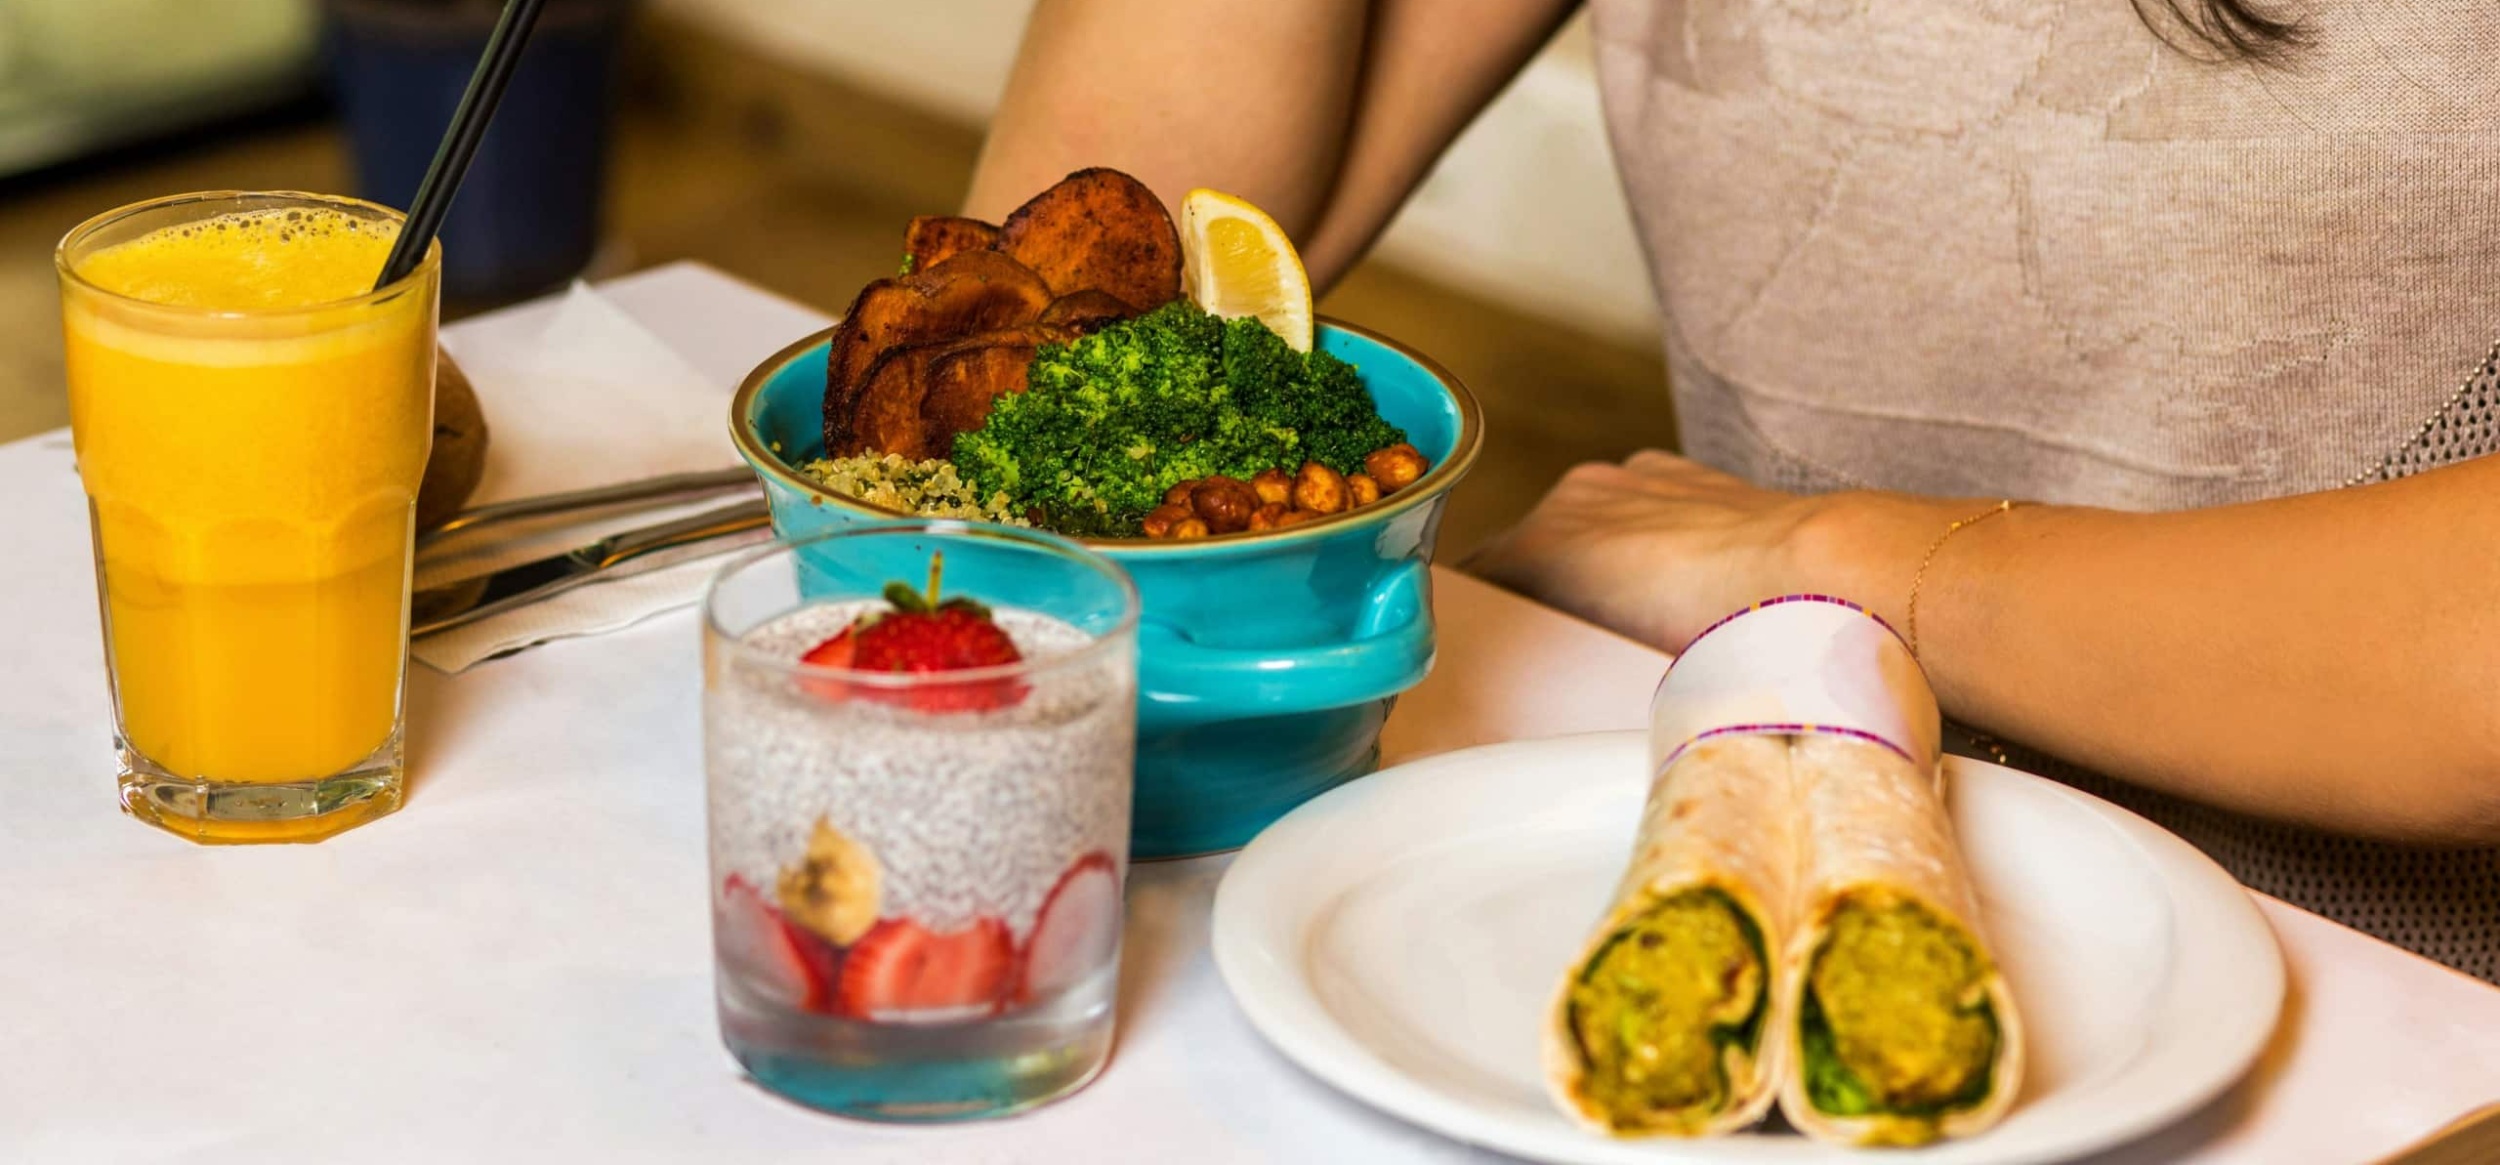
(516, 967)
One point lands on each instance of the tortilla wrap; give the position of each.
(1697, 1055)
(1919, 1038)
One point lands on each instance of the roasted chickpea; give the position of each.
(1160, 520)
(1318, 489)
(1264, 518)
(1226, 503)
(1274, 486)
(1178, 495)
(1361, 489)
(1297, 517)
(1188, 528)
(1395, 467)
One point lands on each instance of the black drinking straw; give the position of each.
(468, 125)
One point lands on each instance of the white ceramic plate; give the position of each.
(1400, 936)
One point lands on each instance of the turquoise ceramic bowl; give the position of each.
(1267, 661)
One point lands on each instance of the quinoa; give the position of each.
(930, 488)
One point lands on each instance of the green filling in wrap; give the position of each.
(1895, 1019)
(1656, 1007)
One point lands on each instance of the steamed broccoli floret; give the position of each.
(1317, 395)
(1110, 422)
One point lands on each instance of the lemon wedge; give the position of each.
(1237, 262)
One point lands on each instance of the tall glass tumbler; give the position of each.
(916, 876)
(252, 421)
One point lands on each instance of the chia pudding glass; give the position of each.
(915, 876)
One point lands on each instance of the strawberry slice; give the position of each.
(791, 964)
(1077, 931)
(901, 972)
(836, 652)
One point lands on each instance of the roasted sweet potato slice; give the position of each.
(966, 378)
(888, 418)
(975, 291)
(1085, 312)
(875, 316)
(934, 238)
(1098, 230)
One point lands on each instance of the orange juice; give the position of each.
(251, 426)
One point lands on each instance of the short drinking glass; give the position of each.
(916, 875)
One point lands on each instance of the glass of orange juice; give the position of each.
(252, 419)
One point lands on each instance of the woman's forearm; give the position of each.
(1430, 66)
(2332, 658)
(1325, 113)
(1248, 96)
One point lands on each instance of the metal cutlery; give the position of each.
(667, 487)
(620, 555)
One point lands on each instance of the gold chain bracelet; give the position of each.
(1920, 578)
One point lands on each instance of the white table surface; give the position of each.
(516, 967)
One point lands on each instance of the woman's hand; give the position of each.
(1657, 548)
(2328, 659)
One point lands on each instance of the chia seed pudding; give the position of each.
(965, 818)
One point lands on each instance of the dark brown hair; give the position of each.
(2223, 30)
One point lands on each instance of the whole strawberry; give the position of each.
(921, 634)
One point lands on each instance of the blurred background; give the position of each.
(785, 142)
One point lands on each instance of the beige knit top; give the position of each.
(2024, 248)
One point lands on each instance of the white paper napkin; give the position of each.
(575, 397)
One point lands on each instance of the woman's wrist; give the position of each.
(1866, 545)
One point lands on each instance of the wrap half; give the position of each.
(1666, 1022)
(1898, 1027)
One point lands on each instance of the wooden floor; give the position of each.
(801, 185)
